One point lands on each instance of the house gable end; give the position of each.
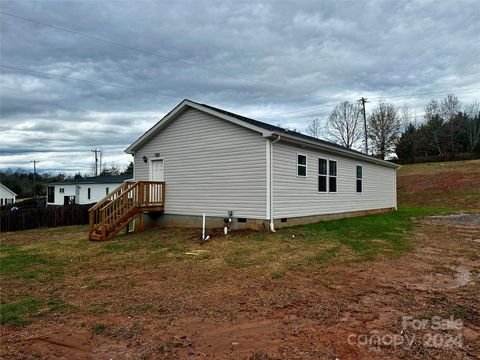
(180, 109)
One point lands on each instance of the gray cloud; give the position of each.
(282, 62)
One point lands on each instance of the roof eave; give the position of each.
(334, 149)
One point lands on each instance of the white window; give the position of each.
(61, 190)
(332, 176)
(359, 178)
(301, 165)
(322, 175)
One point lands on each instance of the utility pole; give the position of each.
(96, 152)
(34, 178)
(363, 101)
(100, 163)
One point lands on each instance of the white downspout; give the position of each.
(272, 225)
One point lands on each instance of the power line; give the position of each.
(114, 43)
(323, 107)
(439, 92)
(35, 72)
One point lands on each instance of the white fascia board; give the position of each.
(10, 191)
(229, 118)
(336, 150)
(142, 139)
(178, 110)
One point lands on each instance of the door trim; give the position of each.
(150, 167)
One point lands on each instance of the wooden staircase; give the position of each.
(127, 202)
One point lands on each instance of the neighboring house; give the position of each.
(7, 196)
(221, 164)
(83, 191)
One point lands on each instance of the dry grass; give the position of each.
(453, 184)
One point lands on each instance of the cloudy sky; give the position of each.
(79, 75)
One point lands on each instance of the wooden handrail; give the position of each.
(129, 198)
(112, 195)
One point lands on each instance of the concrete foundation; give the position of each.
(157, 219)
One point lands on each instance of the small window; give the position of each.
(359, 178)
(301, 165)
(62, 190)
(322, 175)
(89, 193)
(332, 178)
(283, 220)
(242, 220)
(107, 191)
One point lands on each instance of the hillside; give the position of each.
(448, 184)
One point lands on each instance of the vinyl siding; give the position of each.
(211, 166)
(69, 190)
(296, 196)
(97, 193)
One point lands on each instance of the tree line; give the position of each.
(448, 130)
(20, 181)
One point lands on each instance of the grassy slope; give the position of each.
(36, 264)
(451, 184)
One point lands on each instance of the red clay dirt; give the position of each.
(243, 315)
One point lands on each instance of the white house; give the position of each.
(83, 191)
(221, 164)
(7, 196)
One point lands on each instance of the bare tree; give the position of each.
(449, 107)
(406, 117)
(434, 124)
(473, 125)
(344, 126)
(384, 129)
(315, 128)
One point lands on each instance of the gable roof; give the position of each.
(6, 188)
(267, 130)
(102, 179)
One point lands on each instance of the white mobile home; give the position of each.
(7, 196)
(221, 164)
(83, 191)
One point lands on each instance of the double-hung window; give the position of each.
(301, 165)
(322, 175)
(327, 175)
(332, 176)
(359, 178)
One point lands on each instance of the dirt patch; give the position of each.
(176, 312)
(453, 184)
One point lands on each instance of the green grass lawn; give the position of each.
(36, 264)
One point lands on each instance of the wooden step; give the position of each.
(95, 237)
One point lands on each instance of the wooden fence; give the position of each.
(52, 216)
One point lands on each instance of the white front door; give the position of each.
(157, 172)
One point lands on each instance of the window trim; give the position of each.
(336, 176)
(306, 166)
(361, 179)
(325, 175)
